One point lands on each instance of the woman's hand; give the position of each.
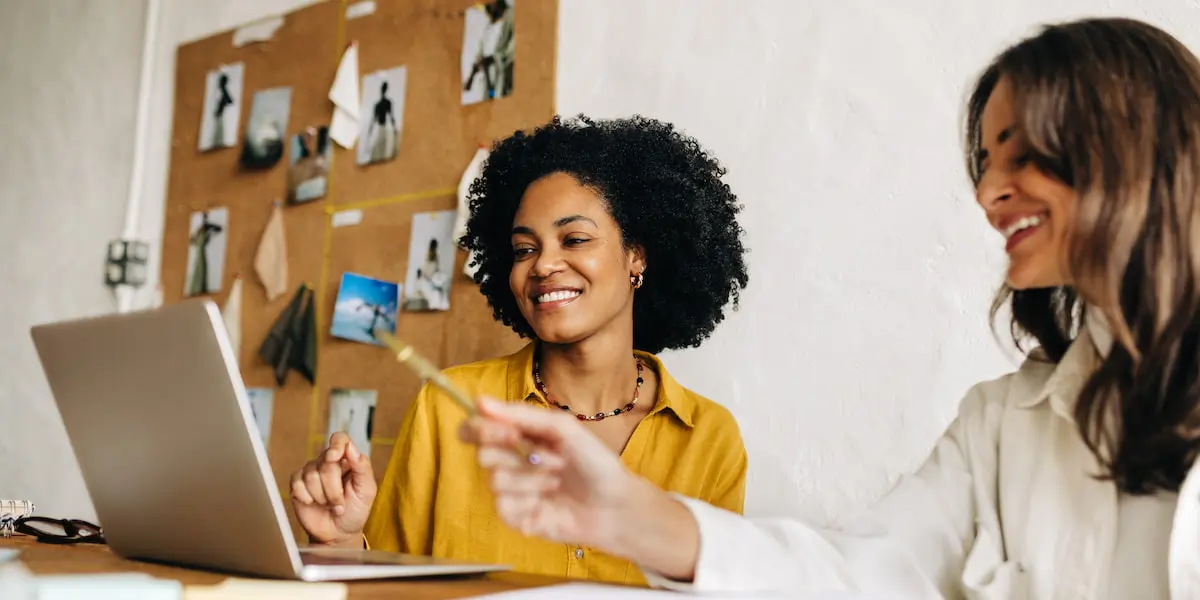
(332, 494)
(575, 490)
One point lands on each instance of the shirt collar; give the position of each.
(671, 396)
(1082, 358)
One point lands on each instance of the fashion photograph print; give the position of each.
(381, 117)
(261, 401)
(309, 171)
(263, 146)
(488, 50)
(208, 237)
(222, 108)
(363, 305)
(352, 412)
(431, 254)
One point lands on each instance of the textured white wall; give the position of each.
(68, 79)
(871, 268)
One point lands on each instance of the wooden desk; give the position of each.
(50, 559)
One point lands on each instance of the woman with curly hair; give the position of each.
(1073, 477)
(604, 243)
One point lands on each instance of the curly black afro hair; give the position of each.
(663, 190)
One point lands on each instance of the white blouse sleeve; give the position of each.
(935, 535)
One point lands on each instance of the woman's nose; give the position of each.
(995, 188)
(548, 262)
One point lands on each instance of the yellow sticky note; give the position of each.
(255, 589)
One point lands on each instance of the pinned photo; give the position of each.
(352, 412)
(364, 305)
(222, 108)
(381, 115)
(208, 236)
(263, 146)
(261, 401)
(308, 175)
(431, 254)
(488, 51)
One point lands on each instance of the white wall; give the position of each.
(68, 78)
(871, 268)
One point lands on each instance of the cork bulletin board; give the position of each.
(439, 135)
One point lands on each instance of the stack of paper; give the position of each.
(17, 583)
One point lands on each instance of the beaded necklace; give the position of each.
(541, 386)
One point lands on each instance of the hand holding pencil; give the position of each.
(408, 356)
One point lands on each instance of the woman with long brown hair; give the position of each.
(1067, 478)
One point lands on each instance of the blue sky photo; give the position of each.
(362, 304)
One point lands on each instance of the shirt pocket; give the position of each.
(987, 575)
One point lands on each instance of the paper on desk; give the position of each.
(255, 589)
(594, 591)
(343, 127)
(584, 591)
(107, 586)
(16, 582)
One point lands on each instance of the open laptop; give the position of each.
(159, 420)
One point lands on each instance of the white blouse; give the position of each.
(1004, 507)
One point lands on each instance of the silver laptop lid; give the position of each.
(157, 415)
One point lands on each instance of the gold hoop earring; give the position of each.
(636, 280)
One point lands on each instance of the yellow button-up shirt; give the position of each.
(434, 498)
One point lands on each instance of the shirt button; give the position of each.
(579, 553)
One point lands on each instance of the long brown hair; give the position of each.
(1112, 108)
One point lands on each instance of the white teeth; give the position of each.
(557, 296)
(1022, 223)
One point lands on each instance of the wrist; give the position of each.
(354, 541)
(656, 532)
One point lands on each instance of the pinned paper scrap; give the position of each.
(343, 127)
(270, 262)
(261, 30)
(360, 9)
(345, 218)
(474, 168)
(231, 314)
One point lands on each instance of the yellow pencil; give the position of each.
(408, 356)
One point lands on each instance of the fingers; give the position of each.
(332, 486)
(323, 482)
(488, 432)
(312, 483)
(339, 445)
(342, 451)
(299, 490)
(524, 481)
(491, 458)
(530, 421)
(505, 423)
(517, 511)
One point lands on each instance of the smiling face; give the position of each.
(571, 269)
(1030, 207)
